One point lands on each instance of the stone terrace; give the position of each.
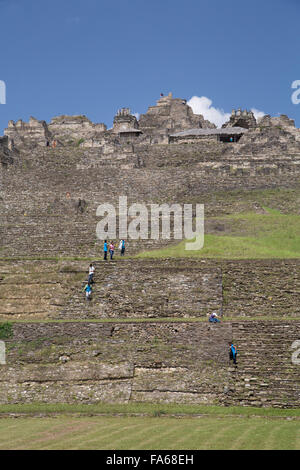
(144, 336)
(182, 363)
(49, 197)
(133, 289)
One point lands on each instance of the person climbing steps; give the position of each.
(232, 352)
(91, 274)
(88, 291)
(122, 247)
(105, 249)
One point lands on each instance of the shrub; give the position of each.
(5, 330)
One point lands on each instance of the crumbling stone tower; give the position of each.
(124, 120)
(171, 115)
(241, 118)
(23, 133)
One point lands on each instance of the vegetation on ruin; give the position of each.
(244, 236)
(149, 409)
(6, 330)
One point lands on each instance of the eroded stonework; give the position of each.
(52, 179)
(123, 363)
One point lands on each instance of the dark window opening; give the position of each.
(230, 138)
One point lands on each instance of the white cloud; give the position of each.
(203, 105)
(258, 114)
(137, 115)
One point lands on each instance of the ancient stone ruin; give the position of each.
(244, 119)
(53, 176)
(171, 120)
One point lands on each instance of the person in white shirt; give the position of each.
(122, 247)
(91, 273)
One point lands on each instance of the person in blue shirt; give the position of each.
(88, 291)
(105, 249)
(214, 318)
(232, 353)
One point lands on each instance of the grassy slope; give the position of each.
(260, 223)
(245, 236)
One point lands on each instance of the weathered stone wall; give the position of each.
(73, 362)
(133, 288)
(171, 114)
(149, 289)
(190, 288)
(68, 128)
(41, 213)
(124, 120)
(27, 135)
(3, 144)
(266, 374)
(182, 363)
(282, 121)
(6, 157)
(48, 201)
(241, 118)
(269, 288)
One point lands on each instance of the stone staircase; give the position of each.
(151, 362)
(132, 288)
(265, 374)
(183, 362)
(58, 352)
(128, 288)
(49, 220)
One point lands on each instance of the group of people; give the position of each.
(111, 248)
(107, 248)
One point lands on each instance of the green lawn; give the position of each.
(119, 433)
(147, 426)
(245, 236)
(149, 409)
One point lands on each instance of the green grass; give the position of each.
(120, 433)
(6, 330)
(151, 409)
(286, 200)
(248, 236)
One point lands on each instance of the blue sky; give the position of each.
(92, 57)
